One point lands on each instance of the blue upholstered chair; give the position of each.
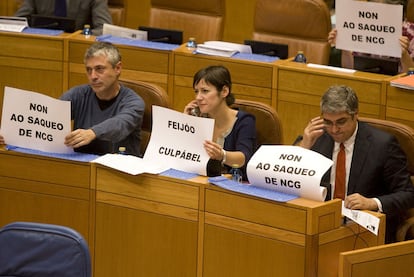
(43, 250)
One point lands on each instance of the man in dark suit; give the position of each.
(92, 12)
(375, 175)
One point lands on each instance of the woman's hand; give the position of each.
(190, 106)
(214, 150)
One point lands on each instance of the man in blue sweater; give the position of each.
(106, 114)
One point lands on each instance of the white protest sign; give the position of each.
(177, 140)
(36, 121)
(368, 27)
(289, 169)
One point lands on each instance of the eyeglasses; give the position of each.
(338, 123)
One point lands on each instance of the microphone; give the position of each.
(48, 26)
(271, 53)
(297, 140)
(161, 39)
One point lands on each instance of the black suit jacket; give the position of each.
(378, 169)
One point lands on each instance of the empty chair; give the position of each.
(268, 124)
(30, 249)
(152, 95)
(405, 136)
(303, 25)
(202, 20)
(117, 14)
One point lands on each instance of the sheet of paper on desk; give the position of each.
(129, 164)
(406, 82)
(366, 220)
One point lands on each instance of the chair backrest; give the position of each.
(118, 15)
(403, 133)
(37, 249)
(152, 95)
(203, 20)
(303, 25)
(268, 124)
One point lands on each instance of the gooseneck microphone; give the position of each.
(298, 139)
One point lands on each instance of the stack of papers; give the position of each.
(222, 49)
(406, 82)
(13, 24)
(123, 32)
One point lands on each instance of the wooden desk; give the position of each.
(48, 190)
(251, 80)
(143, 64)
(299, 89)
(146, 225)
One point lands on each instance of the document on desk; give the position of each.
(35, 121)
(366, 220)
(222, 48)
(289, 169)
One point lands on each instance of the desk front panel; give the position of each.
(348, 237)
(35, 188)
(400, 105)
(148, 223)
(250, 80)
(249, 236)
(140, 64)
(300, 89)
